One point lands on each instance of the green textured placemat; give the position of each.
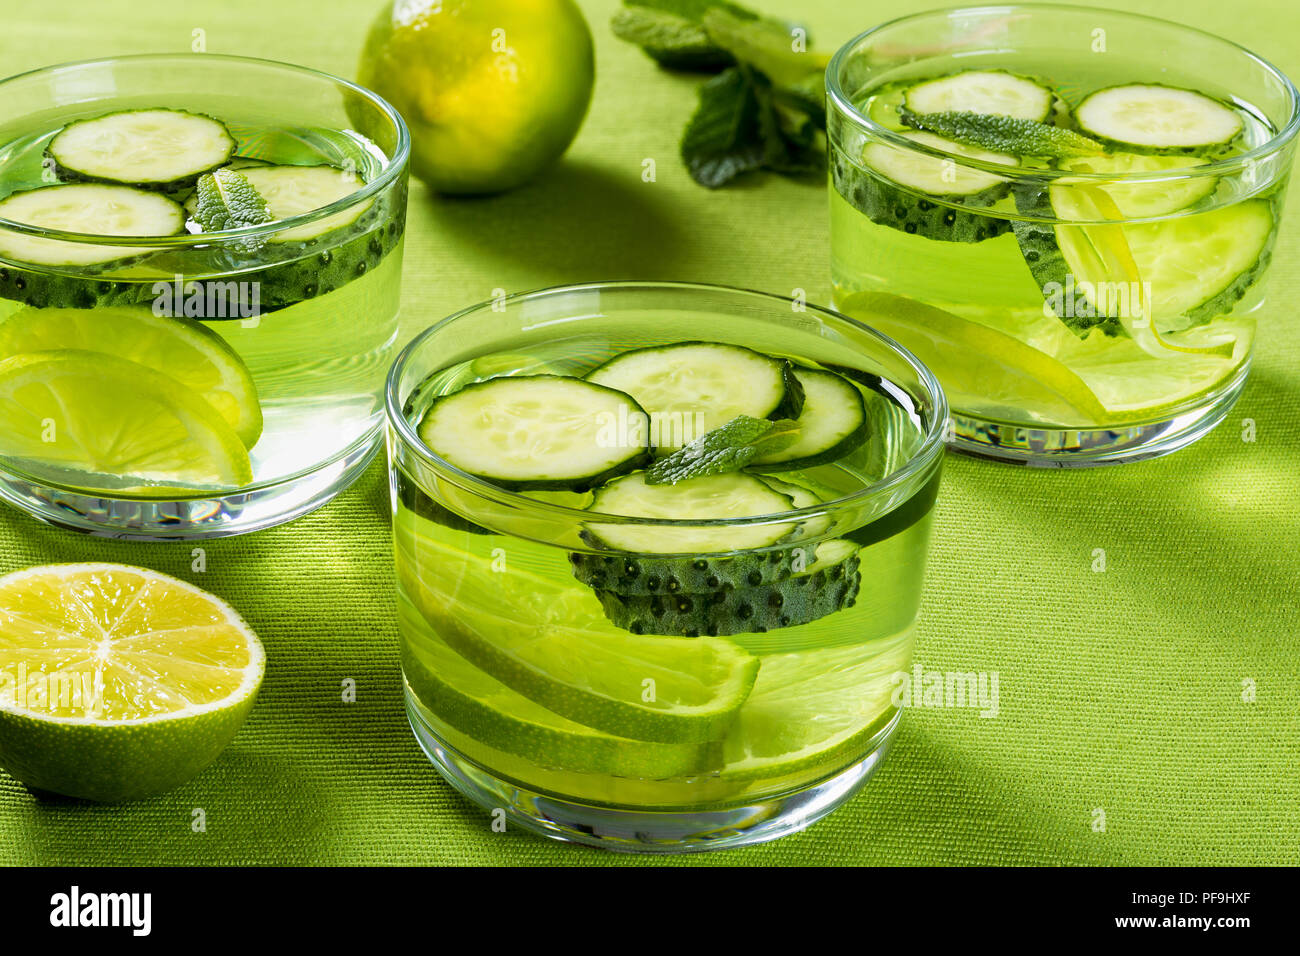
(1120, 691)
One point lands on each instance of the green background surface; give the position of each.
(1120, 690)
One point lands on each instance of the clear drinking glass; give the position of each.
(1082, 310)
(285, 331)
(527, 684)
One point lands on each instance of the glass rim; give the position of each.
(838, 100)
(391, 171)
(922, 459)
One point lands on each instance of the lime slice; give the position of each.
(178, 347)
(550, 642)
(103, 422)
(978, 366)
(814, 711)
(493, 715)
(118, 683)
(1131, 383)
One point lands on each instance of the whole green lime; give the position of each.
(494, 91)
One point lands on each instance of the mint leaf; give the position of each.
(672, 40)
(1004, 134)
(767, 45)
(728, 448)
(738, 127)
(225, 199)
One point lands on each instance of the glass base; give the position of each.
(645, 831)
(191, 519)
(1048, 447)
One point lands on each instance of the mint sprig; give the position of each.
(728, 448)
(225, 199)
(764, 110)
(1004, 134)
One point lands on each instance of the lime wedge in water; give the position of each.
(978, 366)
(111, 423)
(815, 709)
(177, 347)
(491, 714)
(118, 683)
(550, 642)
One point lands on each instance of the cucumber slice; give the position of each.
(538, 431)
(1158, 119)
(691, 388)
(923, 195)
(153, 149)
(829, 584)
(1196, 266)
(833, 423)
(1147, 200)
(982, 91)
(90, 208)
(707, 499)
(650, 574)
(296, 190)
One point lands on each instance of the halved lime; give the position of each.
(978, 366)
(106, 423)
(814, 710)
(493, 715)
(178, 347)
(549, 641)
(118, 683)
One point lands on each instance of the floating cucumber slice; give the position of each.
(833, 423)
(153, 149)
(924, 195)
(709, 499)
(483, 708)
(1152, 118)
(1152, 199)
(92, 208)
(691, 388)
(829, 584)
(982, 91)
(96, 421)
(296, 190)
(538, 431)
(1196, 266)
(180, 348)
(548, 641)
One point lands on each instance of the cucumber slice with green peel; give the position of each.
(152, 149)
(924, 195)
(712, 498)
(833, 423)
(647, 574)
(549, 642)
(994, 92)
(1159, 119)
(296, 190)
(1149, 200)
(91, 208)
(829, 584)
(538, 431)
(1194, 267)
(481, 707)
(690, 388)
(180, 348)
